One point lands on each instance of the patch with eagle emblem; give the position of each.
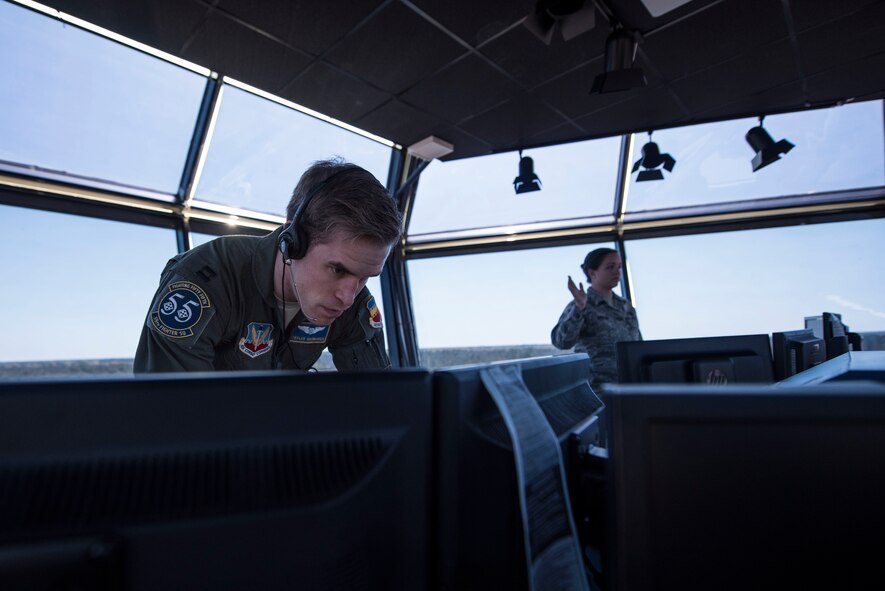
(257, 340)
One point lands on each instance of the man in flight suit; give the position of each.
(275, 302)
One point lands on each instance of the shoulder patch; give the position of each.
(309, 333)
(179, 310)
(374, 313)
(257, 340)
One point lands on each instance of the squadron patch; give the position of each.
(309, 334)
(374, 313)
(180, 310)
(257, 340)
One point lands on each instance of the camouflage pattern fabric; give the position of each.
(595, 330)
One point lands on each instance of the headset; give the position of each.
(293, 239)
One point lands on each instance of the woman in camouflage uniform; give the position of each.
(596, 319)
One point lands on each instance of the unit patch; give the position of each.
(309, 334)
(257, 340)
(179, 311)
(374, 313)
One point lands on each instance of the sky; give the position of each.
(79, 287)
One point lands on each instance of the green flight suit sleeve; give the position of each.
(361, 345)
(181, 329)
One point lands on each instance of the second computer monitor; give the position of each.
(795, 351)
(480, 537)
(746, 487)
(710, 360)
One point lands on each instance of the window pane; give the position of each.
(759, 281)
(493, 300)
(85, 293)
(836, 149)
(260, 148)
(73, 101)
(578, 181)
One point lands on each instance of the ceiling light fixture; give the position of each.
(652, 161)
(430, 147)
(620, 51)
(573, 17)
(767, 150)
(527, 181)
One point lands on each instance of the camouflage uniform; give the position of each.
(216, 310)
(595, 330)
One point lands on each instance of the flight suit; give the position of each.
(595, 330)
(215, 310)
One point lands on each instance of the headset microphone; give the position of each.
(303, 309)
(298, 296)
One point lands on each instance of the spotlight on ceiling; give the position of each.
(527, 181)
(620, 51)
(573, 17)
(767, 150)
(652, 161)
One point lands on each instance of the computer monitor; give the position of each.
(795, 351)
(270, 480)
(711, 360)
(480, 537)
(746, 486)
(837, 337)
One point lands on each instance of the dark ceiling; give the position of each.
(471, 73)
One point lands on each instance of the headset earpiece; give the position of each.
(289, 243)
(293, 240)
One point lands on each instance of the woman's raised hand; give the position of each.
(578, 293)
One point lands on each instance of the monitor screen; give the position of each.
(710, 360)
(746, 487)
(480, 535)
(795, 351)
(270, 480)
(816, 324)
